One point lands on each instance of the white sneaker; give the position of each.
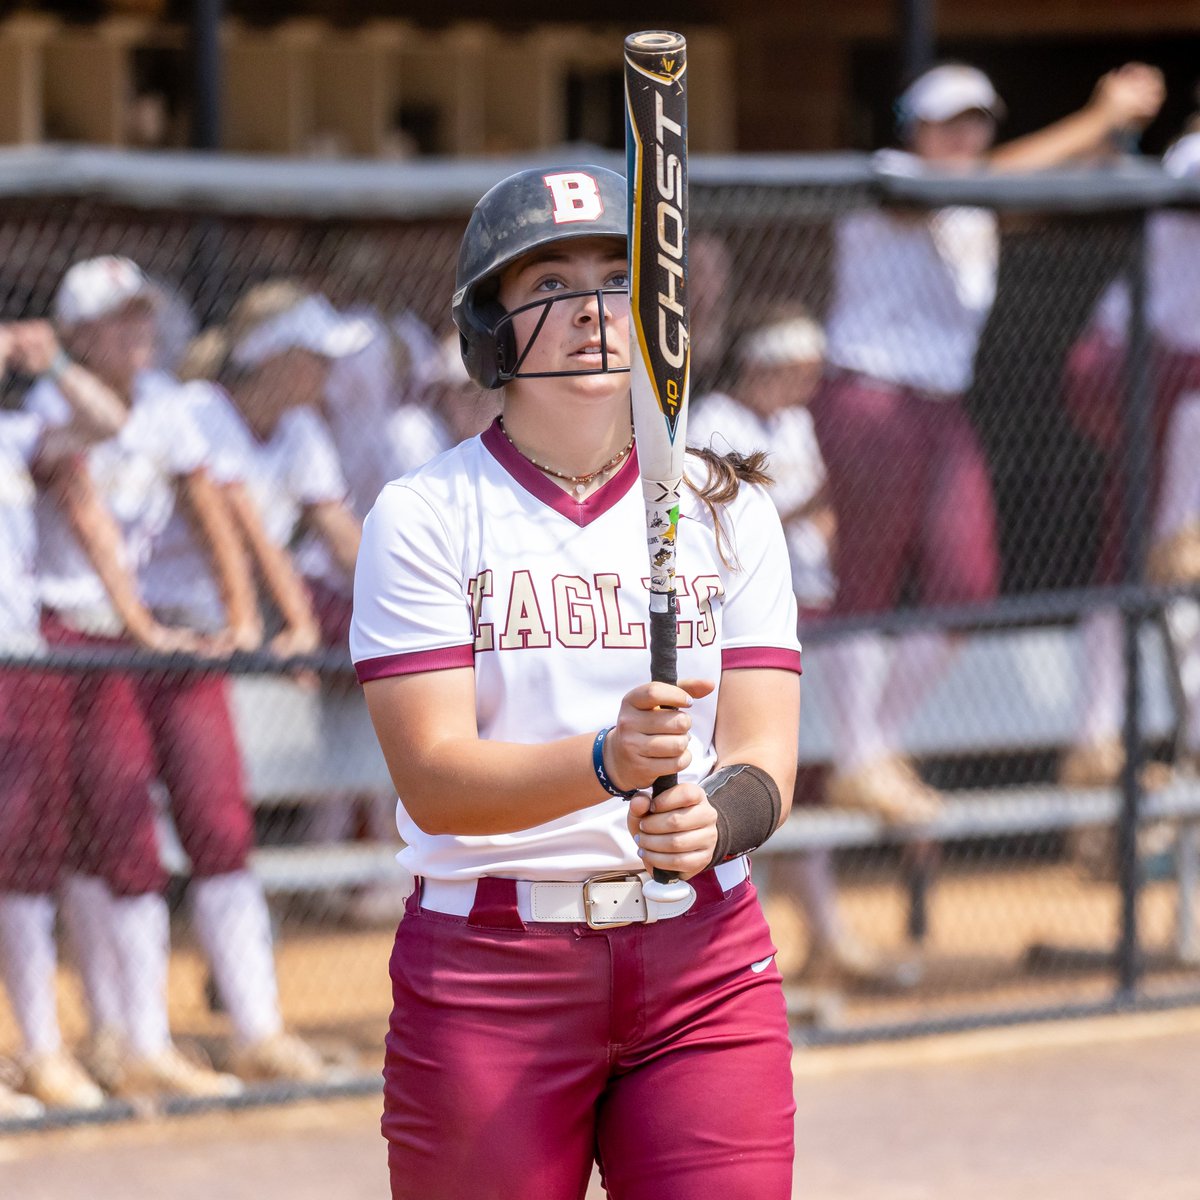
(16, 1107)
(282, 1056)
(171, 1072)
(58, 1081)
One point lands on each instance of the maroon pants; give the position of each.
(333, 612)
(35, 779)
(129, 729)
(911, 489)
(516, 1055)
(1095, 394)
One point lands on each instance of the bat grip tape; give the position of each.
(663, 666)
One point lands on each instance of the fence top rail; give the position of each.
(445, 187)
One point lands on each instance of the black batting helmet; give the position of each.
(522, 213)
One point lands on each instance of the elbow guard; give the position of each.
(748, 807)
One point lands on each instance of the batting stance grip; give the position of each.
(656, 153)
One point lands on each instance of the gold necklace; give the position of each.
(579, 481)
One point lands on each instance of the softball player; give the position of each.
(545, 1012)
(35, 787)
(268, 374)
(1094, 392)
(176, 727)
(778, 368)
(907, 474)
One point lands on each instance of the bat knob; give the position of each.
(671, 892)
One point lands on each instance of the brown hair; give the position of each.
(726, 473)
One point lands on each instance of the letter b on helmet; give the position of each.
(522, 213)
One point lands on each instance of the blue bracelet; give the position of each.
(598, 766)
(58, 364)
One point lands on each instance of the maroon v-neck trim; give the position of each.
(581, 512)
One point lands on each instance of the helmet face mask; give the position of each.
(510, 361)
(523, 213)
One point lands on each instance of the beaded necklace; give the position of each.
(580, 482)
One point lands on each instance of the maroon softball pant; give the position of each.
(518, 1055)
(1095, 391)
(130, 728)
(35, 779)
(911, 490)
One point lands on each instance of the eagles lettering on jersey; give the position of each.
(576, 612)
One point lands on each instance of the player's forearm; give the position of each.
(1087, 134)
(475, 788)
(340, 530)
(758, 722)
(280, 578)
(98, 411)
(231, 568)
(100, 538)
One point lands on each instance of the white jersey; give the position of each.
(136, 473)
(360, 395)
(20, 436)
(477, 559)
(414, 435)
(911, 294)
(1172, 290)
(797, 470)
(297, 466)
(178, 582)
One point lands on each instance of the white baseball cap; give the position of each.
(313, 324)
(1182, 160)
(793, 340)
(96, 287)
(947, 91)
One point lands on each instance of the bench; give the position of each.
(1012, 691)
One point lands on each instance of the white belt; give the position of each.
(94, 621)
(602, 902)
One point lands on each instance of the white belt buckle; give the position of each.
(589, 901)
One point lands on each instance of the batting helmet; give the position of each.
(522, 213)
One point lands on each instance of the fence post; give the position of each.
(1139, 435)
(205, 53)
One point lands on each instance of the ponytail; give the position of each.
(725, 474)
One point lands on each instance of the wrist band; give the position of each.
(58, 364)
(598, 766)
(748, 806)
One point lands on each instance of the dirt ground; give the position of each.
(1092, 1110)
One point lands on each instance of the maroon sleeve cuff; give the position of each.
(774, 657)
(414, 662)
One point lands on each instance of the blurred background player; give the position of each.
(778, 368)
(35, 776)
(1095, 394)
(907, 475)
(183, 552)
(449, 409)
(267, 373)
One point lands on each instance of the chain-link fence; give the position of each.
(982, 399)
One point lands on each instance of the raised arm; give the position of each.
(1124, 101)
(97, 412)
